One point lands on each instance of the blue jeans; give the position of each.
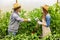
(13, 33)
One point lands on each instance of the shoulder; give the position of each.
(48, 14)
(14, 14)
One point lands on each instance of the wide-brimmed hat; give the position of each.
(45, 7)
(16, 5)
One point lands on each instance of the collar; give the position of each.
(16, 13)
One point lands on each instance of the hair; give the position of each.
(16, 8)
(45, 10)
(44, 14)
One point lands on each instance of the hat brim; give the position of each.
(17, 7)
(45, 7)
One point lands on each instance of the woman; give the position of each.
(45, 21)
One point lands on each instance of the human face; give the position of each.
(19, 10)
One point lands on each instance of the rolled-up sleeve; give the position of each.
(18, 18)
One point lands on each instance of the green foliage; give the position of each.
(28, 30)
(3, 24)
(55, 18)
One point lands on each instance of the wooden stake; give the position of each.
(57, 1)
(16, 1)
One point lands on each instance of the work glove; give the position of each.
(29, 19)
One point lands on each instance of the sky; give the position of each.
(26, 4)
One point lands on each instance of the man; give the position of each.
(15, 19)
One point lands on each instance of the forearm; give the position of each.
(42, 23)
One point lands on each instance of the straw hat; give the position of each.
(45, 7)
(16, 5)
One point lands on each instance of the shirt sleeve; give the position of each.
(18, 18)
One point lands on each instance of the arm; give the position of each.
(20, 19)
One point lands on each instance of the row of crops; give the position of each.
(31, 30)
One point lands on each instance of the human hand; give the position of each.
(29, 19)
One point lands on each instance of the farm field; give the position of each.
(31, 30)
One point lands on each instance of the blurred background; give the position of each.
(7, 5)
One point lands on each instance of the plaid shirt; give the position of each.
(14, 22)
